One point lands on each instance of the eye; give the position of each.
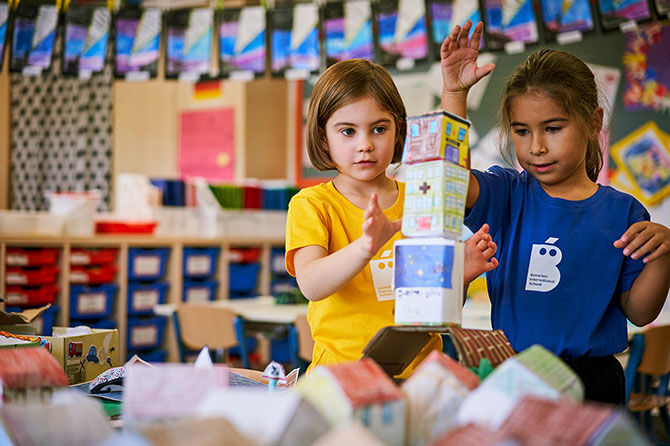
(347, 131)
(553, 129)
(379, 130)
(521, 132)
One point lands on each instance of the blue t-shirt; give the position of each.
(560, 277)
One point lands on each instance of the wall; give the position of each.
(4, 134)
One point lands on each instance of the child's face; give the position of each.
(549, 143)
(361, 139)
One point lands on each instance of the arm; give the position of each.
(321, 274)
(458, 59)
(651, 242)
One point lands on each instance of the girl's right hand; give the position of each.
(458, 58)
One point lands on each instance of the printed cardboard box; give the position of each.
(437, 135)
(19, 322)
(85, 356)
(435, 194)
(428, 281)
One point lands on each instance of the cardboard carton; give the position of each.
(84, 356)
(428, 281)
(435, 194)
(437, 135)
(20, 322)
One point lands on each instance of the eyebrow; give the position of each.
(546, 121)
(351, 124)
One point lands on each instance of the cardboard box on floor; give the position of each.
(17, 322)
(85, 356)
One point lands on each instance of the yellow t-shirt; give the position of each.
(342, 324)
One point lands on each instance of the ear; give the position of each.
(597, 120)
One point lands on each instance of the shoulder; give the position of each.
(622, 200)
(320, 193)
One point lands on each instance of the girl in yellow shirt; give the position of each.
(356, 125)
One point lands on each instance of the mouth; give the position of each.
(365, 163)
(542, 168)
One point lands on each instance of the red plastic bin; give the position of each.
(22, 297)
(32, 257)
(41, 275)
(253, 197)
(92, 274)
(118, 227)
(81, 256)
(244, 255)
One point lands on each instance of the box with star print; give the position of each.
(437, 135)
(435, 193)
(428, 281)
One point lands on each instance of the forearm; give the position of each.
(455, 102)
(322, 277)
(646, 297)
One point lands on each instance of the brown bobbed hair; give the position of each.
(570, 83)
(341, 84)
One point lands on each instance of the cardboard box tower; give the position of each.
(428, 273)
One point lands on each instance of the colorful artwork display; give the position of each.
(647, 68)
(348, 31)
(561, 16)
(445, 14)
(510, 21)
(402, 32)
(4, 25)
(33, 37)
(188, 43)
(86, 37)
(437, 135)
(644, 156)
(615, 12)
(137, 42)
(242, 42)
(295, 38)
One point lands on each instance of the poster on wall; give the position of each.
(242, 42)
(644, 156)
(33, 37)
(348, 31)
(614, 13)
(510, 22)
(563, 17)
(647, 68)
(188, 43)
(294, 38)
(137, 43)
(85, 43)
(662, 7)
(4, 27)
(207, 144)
(402, 35)
(445, 14)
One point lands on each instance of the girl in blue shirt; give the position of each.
(576, 259)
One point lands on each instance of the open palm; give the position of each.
(458, 58)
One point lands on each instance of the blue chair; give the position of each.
(200, 324)
(300, 343)
(647, 374)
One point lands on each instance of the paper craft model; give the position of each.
(428, 281)
(359, 391)
(534, 371)
(29, 374)
(434, 394)
(437, 135)
(435, 194)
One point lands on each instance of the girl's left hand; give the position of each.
(645, 237)
(377, 229)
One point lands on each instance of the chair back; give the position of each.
(656, 357)
(305, 341)
(202, 325)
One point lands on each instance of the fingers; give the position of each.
(476, 36)
(465, 33)
(484, 70)
(630, 233)
(373, 205)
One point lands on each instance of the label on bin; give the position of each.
(78, 277)
(197, 295)
(143, 336)
(15, 259)
(144, 299)
(92, 303)
(79, 258)
(16, 298)
(147, 265)
(16, 279)
(200, 265)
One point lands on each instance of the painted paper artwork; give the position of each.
(510, 21)
(567, 15)
(644, 156)
(402, 31)
(647, 68)
(445, 14)
(614, 12)
(348, 31)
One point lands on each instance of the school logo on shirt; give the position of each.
(543, 274)
(382, 275)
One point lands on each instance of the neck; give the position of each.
(359, 192)
(574, 191)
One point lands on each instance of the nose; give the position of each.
(537, 145)
(365, 144)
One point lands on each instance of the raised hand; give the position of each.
(458, 58)
(645, 238)
(479, 251)
(377, 229)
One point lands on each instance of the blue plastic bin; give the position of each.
(200, 262)
(143, 296)
(145, 334)
(281, 284)
(91, 323)
(44, 323)
(199, 290)
(277, 264)
(279, 351)
(243, 277)
(172, 191)
(242, 295)
(157, 355)
(92, 302)
(147, 263)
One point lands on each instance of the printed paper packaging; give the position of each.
(438, 135)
